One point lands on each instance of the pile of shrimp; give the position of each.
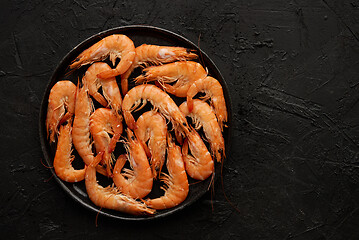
(160, 145)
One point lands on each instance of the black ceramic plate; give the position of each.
(139, 35)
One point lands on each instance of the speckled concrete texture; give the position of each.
(292, 68)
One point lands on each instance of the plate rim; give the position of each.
(118, 30)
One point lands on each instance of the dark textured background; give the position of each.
(292, 68)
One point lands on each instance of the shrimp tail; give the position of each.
(108, 74)
(185, 147)
(144, 145)
(190, 103)
(169, 88)
(179, 137)
(99, 98)
(108, 163)
(113, 142)
(67, 117)
(97, 159)
(100, 169)
(121, 160)
(124, 85)
(130, 120)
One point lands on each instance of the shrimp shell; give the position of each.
(161, 102)
(200, 165)
(115, 46)
(63, 158)
(103, 122)
(81, 127)
(111, 92)
(62, 97)
(155, 55)
(151, 127)
(214, 92)
(139, 180)
(110, 197)
(176, 182)
(184, 73)
(203, 116)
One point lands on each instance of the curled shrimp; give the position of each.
(151, 127)
(176, 182)
(61, 99)
(109, 197)
(155, 55)
(214, 92)
(203, 116)
(159, 99)
(110, 89)
(184, 73)
(81, 127)
(63, 157)
(103, 122)
(115, 46)
(136, 183)
(200, 164)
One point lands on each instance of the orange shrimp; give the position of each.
(159, 99)
(200, 165)
(203, 116)
(136, 183)
(110, 89)
(109, 197)
(176, 182)
(81, 127)
(62, 97)
(214, 92)
(115, 46)
(155, 55)
(183, 73)
(151, 127)
(63, 157)
(102, 123)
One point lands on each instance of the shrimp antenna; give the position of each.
(43, 164)
(70, 71)
(194, 183)
(96, 219)
(211, 185)
(48, 180)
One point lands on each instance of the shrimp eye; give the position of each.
(132, 137)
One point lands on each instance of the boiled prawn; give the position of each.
(183, 73)
(110, 197)
(61, 99)
(115, 46)
(155, 55)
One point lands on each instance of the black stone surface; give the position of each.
(292, 70)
